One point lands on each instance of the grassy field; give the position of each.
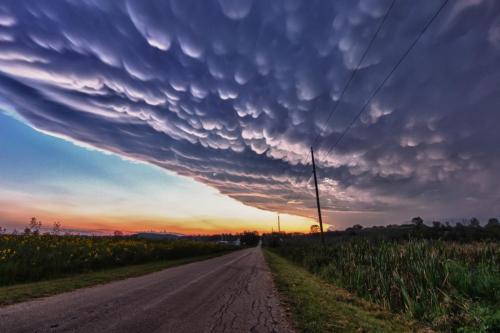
(317, 306)
(26, 291)
(446, 285)
(31, 258)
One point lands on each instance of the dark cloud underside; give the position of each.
(232, 94)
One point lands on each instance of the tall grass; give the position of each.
(36, 257)
(448, 285)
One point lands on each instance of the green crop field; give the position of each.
(449, 286)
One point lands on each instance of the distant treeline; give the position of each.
(34, 227)
(463, 232)
(248, 238)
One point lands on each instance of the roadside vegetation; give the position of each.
(11, 294)
(317, 306)
(448, 285)
(31, 256)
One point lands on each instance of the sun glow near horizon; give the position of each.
(92, 191)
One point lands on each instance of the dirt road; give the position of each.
(231, 293)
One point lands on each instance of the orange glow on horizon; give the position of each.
(19, 216)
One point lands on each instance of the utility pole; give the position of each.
(317, 198)
(279, 227)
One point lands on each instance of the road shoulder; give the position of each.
(317, 306)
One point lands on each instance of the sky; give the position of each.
(93, 191)
(190, 115)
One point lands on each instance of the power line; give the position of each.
(405, 54)
(353, 74)
(375, 92)
(360, 62)
(317, 198)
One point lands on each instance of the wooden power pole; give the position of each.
(317, 198)
(279, 226)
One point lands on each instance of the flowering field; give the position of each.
(448, 285)
(28, 258)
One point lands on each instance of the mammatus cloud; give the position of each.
(232, 94)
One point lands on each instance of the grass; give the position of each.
(449, 286)
(317, 306)
(27, 291)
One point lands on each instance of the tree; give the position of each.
(474, 222)
(250, 238)
(417, 221)
(436, 224)
(315, 229)
(34, 226)
(493, 222)
(118, 233)
(357, 227)
(56, 228)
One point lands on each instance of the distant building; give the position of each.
(234, 242)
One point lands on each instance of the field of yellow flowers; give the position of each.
(28, 258)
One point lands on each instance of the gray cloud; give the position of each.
(232, 94)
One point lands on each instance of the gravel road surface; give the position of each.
(231, 293)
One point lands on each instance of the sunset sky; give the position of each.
(90, 190)
(198, 116)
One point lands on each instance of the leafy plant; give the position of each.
(440, 283)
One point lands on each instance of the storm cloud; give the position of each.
(232, 93)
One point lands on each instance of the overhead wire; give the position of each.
(381, 85)
(358, 66)
(353, 73)
(351, 77)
